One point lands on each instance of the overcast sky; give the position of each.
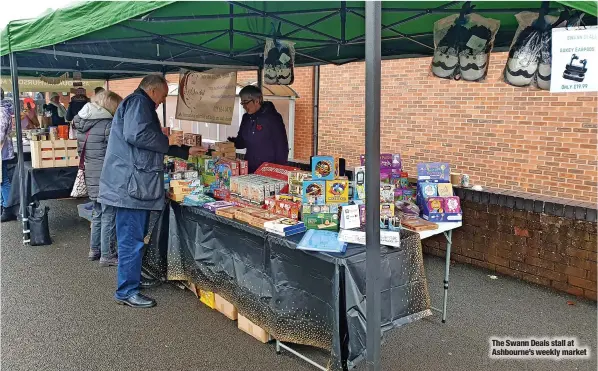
(13, 10)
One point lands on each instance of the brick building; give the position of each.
(534, 151)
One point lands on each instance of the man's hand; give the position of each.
(196, 150)
(174, 140)
(231, 139)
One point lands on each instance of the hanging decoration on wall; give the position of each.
(463, 43)
(530, 56)
(279, 60)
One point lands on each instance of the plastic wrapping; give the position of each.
(530, 56)
(39, 228)
(462, 46)
(279, 62)
(297, 296)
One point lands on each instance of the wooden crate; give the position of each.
(54, 153)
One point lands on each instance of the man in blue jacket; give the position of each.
(262, 131)
(132, 179)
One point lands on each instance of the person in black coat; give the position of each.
(55, 111)
(262, 131)
(77, 102)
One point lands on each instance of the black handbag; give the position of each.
(39, 228)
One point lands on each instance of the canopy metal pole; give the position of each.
(14, 72)
(316, 103)
(260, 77)
(164, 106)
(373, 33)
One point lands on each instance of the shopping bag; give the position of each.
(80, 188)
(39, 230)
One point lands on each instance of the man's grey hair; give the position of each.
(252, 92)
(152, 82)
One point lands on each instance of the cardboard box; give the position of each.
(337, 191)
(252, 329)
(207, 297)
(327, 222)
(225, 307)
(191, 286)
(314, 192)
(193, 140)
(322, 168)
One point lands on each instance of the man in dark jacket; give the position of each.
(132, 179)
(262, 131)
(77, 102)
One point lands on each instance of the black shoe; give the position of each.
(7, 216)
(148, 283)
(138, 301)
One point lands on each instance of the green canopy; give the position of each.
(121, 39)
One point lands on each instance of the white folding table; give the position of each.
(447, 230)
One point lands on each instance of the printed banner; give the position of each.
(37, 84)
(574, 59)
(207, 96)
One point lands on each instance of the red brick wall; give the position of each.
(303, 105)
(504, 137)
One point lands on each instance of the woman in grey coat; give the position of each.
(93, 124)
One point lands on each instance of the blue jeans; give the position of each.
(103, 230)
(8, 170)
(131, 225)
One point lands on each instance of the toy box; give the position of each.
(385, 176)
(359, 176)
(387, 209)
(321, 221)
(314, 192)
(445, 189)
(387, 193)
(397, 164)
(180, 165)
(318, 209)
(322, 168)
(436, 172)
(385, 160)
(243, 169)
(192, 140)
(337, 191)
(428, 189)
(452, 204)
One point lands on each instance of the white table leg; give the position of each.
(449, 243)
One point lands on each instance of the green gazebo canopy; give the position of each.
(110, 40)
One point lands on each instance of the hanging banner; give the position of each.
(574, 59)
(207, 96)
(37, 84)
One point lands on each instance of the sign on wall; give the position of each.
(207, 96)
(574, 59)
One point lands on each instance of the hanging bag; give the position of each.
(80, 189)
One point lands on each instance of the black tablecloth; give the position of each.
(42, 184)
(300, 297)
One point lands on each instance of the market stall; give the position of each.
(299, 297)
(234, 34)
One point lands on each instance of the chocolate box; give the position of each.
(337, 191)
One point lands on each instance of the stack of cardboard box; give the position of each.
(179, 189)
(225, 150)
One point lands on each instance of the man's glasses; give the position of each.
(246, 102)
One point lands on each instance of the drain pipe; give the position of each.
(316, 105)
